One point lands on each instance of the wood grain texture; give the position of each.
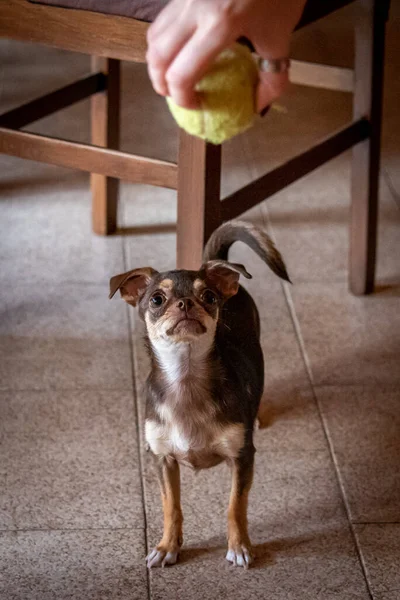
(321, 76)
(88, 158)
(369, 66)
(105, 131)
(77, 30)
(199, 206)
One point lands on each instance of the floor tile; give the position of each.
(303, 545)
(363, 425)
(295, 509)
(294, 491)
(349, 339)
(71, 455)
(310, 221)
(380, 549)
(69, 460)
(83, 565)
(321, 566)
(45, 228)
(62, 336)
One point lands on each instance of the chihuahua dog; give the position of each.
(206, 379)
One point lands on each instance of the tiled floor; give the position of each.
(79, 502)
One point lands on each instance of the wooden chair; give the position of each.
(112, 38)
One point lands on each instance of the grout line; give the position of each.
(8, 390)
(307, 365)
(296, 325)
(67, 529)
(325, 430)
(393, 385)
(343, 493)
(138, 433)
(376, 522)
(292, 312)
(328, 440)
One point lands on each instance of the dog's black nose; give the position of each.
(185, 304)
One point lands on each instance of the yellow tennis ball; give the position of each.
(227, 97)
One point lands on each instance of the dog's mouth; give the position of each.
(187, 325)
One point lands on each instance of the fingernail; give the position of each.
(265, 111)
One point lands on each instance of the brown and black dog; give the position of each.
(207, 376)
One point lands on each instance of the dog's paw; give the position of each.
(159, 558)
(240, 556)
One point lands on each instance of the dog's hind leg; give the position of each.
(239, 546)
(166, 553)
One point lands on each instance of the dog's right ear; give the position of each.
(132, 284)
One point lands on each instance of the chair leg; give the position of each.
(199, 179)
(369, 64)
(105, 121)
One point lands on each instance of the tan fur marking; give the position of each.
(198, 285)
(171, 501)
(231, 440)
(167, 284)
(237, 513)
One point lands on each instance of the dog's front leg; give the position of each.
(166, 553)
(239, 546)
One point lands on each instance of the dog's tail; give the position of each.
(258, 240)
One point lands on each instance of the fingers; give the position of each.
(165, 38)
(182, 44)
(192, 63)
(161, 56)
(189, 34)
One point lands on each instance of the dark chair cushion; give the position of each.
(147, 10)
(143, 10)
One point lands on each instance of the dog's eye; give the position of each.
(157, 300)
(209, 297)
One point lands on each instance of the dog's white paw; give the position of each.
(240, 556)
(160, 558)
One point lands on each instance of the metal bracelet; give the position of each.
(273, 65)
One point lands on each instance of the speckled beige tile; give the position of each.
(349, 340)
(363, 425)
(310, 221)
(45, 228)
(83, 565)
(297, 567)
(294, 490)
(380, 549)
(302, 542)
(69, 460)
(62, 336)
(147, 127)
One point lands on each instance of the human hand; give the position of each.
(188, 35)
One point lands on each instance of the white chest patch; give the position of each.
(216, 443)
(188, 428)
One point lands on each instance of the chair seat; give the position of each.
(142, 10)
(147, 10)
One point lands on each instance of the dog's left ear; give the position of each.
(224, 276)
(132, 284)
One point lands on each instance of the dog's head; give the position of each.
(180, 306)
